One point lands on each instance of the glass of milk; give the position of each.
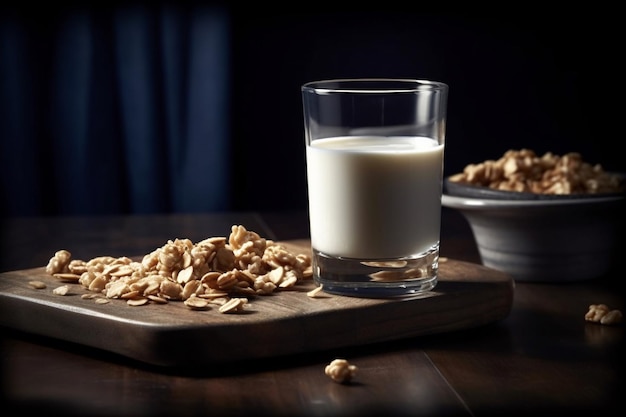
(374, 154)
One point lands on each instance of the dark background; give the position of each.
(522, 79)
(528, 77)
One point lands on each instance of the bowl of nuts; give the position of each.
(542, 218)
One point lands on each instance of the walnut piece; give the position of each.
(340, 370)
(62, 290)
(601, 313)
(59, 263)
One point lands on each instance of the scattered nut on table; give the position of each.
(315, 291)
(601, 313)
(340, 370)
(62, 290)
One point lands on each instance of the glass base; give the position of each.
(380, 278)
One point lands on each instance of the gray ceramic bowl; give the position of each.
(544, 240)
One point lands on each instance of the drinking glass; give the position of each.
(374, 156)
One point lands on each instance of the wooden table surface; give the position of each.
(543, 357)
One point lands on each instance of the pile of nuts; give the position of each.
(216, 270)
(524, 171)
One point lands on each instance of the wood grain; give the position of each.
(289, 322)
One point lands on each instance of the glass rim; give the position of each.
(372, 86)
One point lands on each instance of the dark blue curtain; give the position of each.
(120, 109)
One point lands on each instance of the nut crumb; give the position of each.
(89, 296)
(139, 301)
(315, 291)
(67, 277)
(62, 290)
(38, 285)
(196, 303)
(341, 371)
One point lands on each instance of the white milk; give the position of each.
(374, 197)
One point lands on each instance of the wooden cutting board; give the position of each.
(288, 322)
